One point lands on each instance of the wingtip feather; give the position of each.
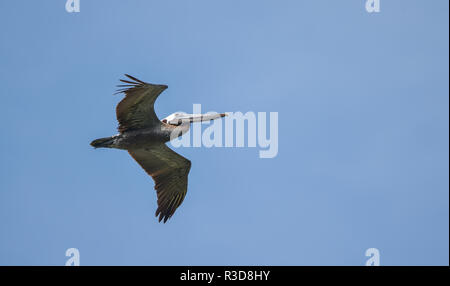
(135, 79)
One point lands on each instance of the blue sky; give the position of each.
(363, 132)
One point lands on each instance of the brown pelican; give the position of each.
(143, 135)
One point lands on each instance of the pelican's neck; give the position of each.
(174, 131)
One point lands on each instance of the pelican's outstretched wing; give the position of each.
(170, 172)
(136, 110)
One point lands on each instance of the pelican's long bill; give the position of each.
(179, 118)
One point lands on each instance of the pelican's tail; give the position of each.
(103, 142)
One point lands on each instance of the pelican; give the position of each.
(143, 135)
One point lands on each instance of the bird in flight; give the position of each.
(143, 135)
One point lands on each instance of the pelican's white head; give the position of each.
(180, 118)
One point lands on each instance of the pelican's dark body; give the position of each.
(137, 139)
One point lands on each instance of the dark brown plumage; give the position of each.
(136, 111)
(170, 173)
(143, 135)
